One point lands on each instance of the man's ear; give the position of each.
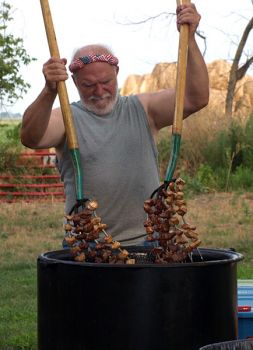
(117, 70)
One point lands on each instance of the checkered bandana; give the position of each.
(80, 62)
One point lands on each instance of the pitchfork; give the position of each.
(179, 105)
(66, 110)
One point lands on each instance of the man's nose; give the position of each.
(99, 90)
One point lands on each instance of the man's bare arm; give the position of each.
(160, 106)
(43, 127)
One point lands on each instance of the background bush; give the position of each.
(10, 147)
(218, 159)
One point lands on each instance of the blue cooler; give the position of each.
(245, 309)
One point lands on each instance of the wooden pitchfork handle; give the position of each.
(179, 98)
(61, 86)
(181, 73)
(64, 102)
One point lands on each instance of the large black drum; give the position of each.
(183, 306)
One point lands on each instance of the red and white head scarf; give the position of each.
(80, 62)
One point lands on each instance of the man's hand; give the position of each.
(54, 70)
(187, 14)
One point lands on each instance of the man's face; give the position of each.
(97, 87)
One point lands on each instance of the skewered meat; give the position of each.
(165, 224)
(85, 227)
(166, 217)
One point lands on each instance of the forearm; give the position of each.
(36, 120)
(197, 81)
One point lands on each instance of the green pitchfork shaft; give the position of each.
(175, 148)
(64, 102)
(180, 95)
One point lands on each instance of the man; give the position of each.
(116, 134)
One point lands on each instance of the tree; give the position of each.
(236, 72)
(12, 55)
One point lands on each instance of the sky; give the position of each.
(138, 46)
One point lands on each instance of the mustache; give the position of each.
(98, 98)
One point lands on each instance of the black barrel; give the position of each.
(245, 344)
(89, 306)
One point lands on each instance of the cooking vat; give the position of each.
(183, 306)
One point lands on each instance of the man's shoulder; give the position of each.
(76, 104)
(129, 99)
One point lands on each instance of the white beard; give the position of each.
(100, 111)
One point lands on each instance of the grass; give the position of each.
(26, 230)
(224, 220)
(18, 305)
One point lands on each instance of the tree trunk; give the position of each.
(235, 72)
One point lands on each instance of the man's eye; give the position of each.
(88, 85)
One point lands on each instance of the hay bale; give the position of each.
(164, 76)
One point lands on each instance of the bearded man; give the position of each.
(116, 134)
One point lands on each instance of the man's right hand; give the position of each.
(54, 70)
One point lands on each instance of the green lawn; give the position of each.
(18, 307)
(27, 230)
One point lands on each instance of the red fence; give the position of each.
(33, 186)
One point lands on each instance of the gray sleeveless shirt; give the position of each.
(119, 160)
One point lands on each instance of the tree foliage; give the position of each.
(12, 56)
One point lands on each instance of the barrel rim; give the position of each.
(229, 256)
